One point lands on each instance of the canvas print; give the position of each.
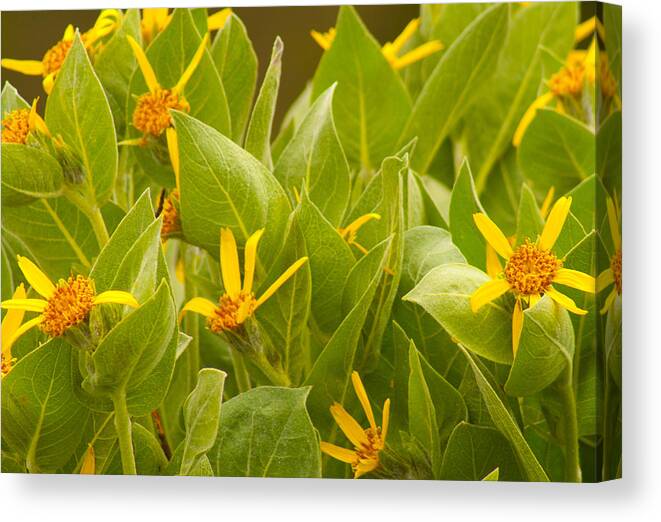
(372, 242)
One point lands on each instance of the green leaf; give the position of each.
(41, 418)
(28, 173)
(233, 54)
(266, 432)
(455, 83)
(149, 457)
(474, 451)
(78, 111)
(314, 159)
(613, 341)
(558, 151)
(491, 122)
(609, 152)
(445, 294)
(224, 186)
(506, 425)
(529, 220)
(11, 100)
(371, 104)
(258, 136)
(202, 417)
(545, 349)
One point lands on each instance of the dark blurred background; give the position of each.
(28, 34)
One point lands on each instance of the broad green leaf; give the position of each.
(149, 457)
(314, 159)
(445, 294)
(491, 122)
(529, 220)
(28, 173)
(224, 186)
(11, 100)
(202, 417)
(169, 54)
(503, 420)
(371, 104)
(266, 432)
(479, 453)
(234, 57)
(455, 83)
(558, 151)
(291, 121)
(78, 111)
(41, 417)
(545, 349)
(258, 135)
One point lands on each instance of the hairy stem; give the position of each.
(572, 458)
(276, 376)
(124, 435)
(240, 371)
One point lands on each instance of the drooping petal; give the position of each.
(365, 466)
(250, 259)
(419, 53)
(229, 263)
(565, 302)
(613, 223)
(197, 57)
(48, 83)
(385, 420)
(89, 462)
(27, 305)
(145, 66)
(199, 305)
(357, 223)
(349, 425)
(517, 326)
(362, 397)
(554, 223)
(217, 20)
(493, 235)
(494, 268)
(29, 67)
(546, 204)
(116, 297)
(281, 281)
(11, 322)
(575, 279)
(605, 279)
(337, 452)
(488, 292)
(529, 115)
(37, 279)
(173, 150)
(609, 301)
(28, 325)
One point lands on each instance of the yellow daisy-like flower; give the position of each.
(154, 20)
(64, 305)
(531, 269)
(612, 275)
(390, 50)
(10, 324)
(350, 232)
(48, 67)
(19, 123)
(238, 302)
(367, 442)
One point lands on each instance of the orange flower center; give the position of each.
(6, 362)
(171, 223)
(231, 312)
(151, 115)
(54, 57)
(569, 81)
(530, 270)
(369, 452)
(69, 305)
(616, 268)
(16, 126)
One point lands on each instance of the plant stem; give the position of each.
(240, 371)
(93, 213)
(277, 377)
(572, 458)
(124, 435)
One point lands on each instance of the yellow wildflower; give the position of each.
(390, 50)
(531, 269)
(64, 305)
(238, 302)
(19, 123)
(350, 232)
(48, 67)
(613, 274)
(10, 324)
(367, 442)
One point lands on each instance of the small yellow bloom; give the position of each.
(367, 442)
(64, 305)
(238, 302)
(390, 50)
(19, 123)
(350, 232)
(612, 275)
(154, 20)
(531, 269)
(48, 67)
(10, 324)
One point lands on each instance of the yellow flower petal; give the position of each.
(357, 223)
(533, 300)
(609, 301)
(405, 35)
(11, 322)
(605, 279)
(585, 29)
(546, 204)
(493, 235)
(89, 462)
(37, 279)
(385, 420)
(349, 425)
(229, 263)
(488, 292)
(365, 466)
(218, 19)
(565, 302)
(29, 67)
(517, 326)
(417, 54)
(362, 397)
(28, 305)
(325, 40)
(250, 259)
(337, 452)
(192, 65)
(145, 66)
(281, 281)
(48, 83)
(554, 223)
(28, 325)
(116, 297)
(494, 268)
(575, 279)
(529, 115)
(173, 150)
(36, 122)
(199, 305)
(613, 223)
(69, 34)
